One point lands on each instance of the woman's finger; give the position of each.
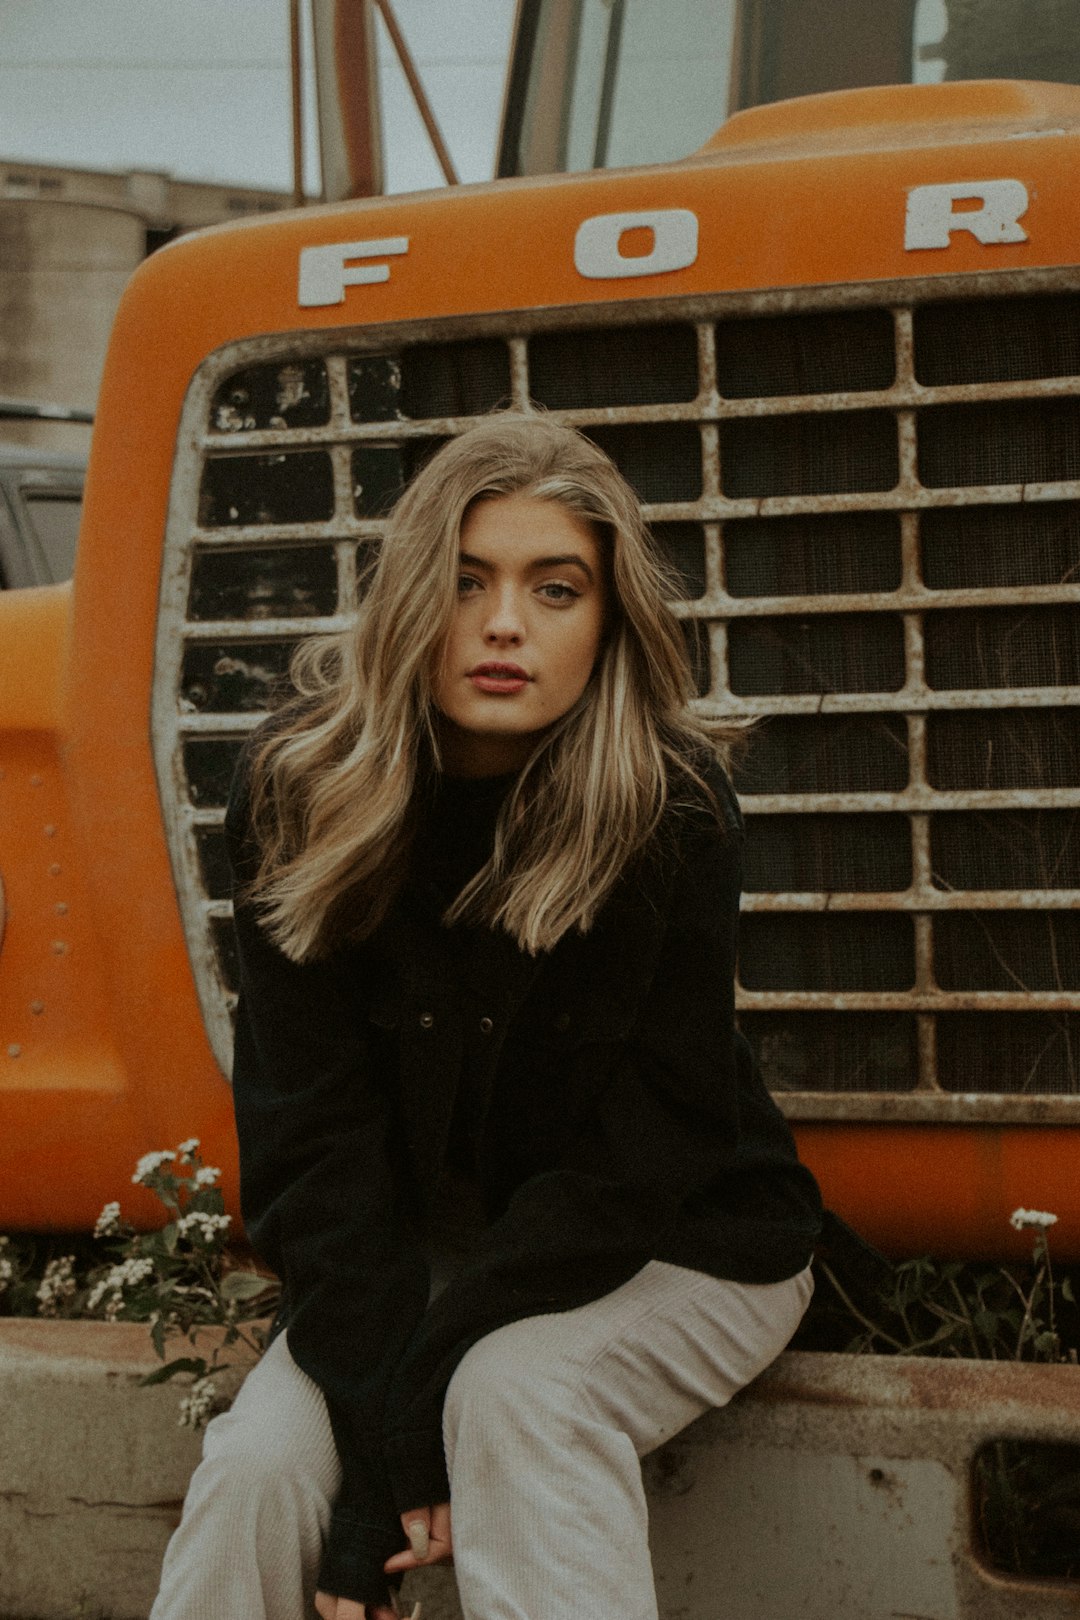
(418, 1530)
(326, 1604)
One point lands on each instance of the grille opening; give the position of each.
(772, 357)
(223, 939)
(1012, 1053)
(1002, 647)
(682, 546)
(827, 1051)
(213, 862)
(273, 582)
(367, 555)
(374, 382)
(859, 753)
(233, 677)
(997, 340)
(455, 379)
(696, 635)
(829, 453)
(292, 487)
(380, 473)
(812, 555)
(851, 950)
(967, 546)
(661, 461)
(630, 365)
(806, 854)
(856, 652)
(293, 394)
(1009, 748)
(1006, 849)
(1010, 442)
(209, 764)
(1007, 950)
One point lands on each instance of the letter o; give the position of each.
(675, 243)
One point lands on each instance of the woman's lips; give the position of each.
(503, 680)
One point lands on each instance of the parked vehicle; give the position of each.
(40, 506)
(838, 353)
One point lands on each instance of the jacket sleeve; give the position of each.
(664, 1126)
(320, 1204)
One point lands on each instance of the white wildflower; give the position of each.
(1041, 1218)
(198, 1225)
(187, 1150)
(197, 1405)
(108, 1222)
(57, 1285)
(7, 1271)
(126, 1275)
(148, 1164)
(207, 1176)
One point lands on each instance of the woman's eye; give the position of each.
(467, 583)
(556, 591)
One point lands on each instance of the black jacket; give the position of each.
(614, 1116)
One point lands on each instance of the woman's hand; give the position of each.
(339, 1608)
(430, 1542)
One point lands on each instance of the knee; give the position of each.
(505, 1383)
(265, 1464)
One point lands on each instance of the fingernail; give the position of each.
(418, 1540)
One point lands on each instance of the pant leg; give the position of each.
(258, 1507)
(545, 1422)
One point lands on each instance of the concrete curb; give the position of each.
(835, 1488)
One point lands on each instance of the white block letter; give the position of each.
(675, 243)
(931, 217)
(325, 272)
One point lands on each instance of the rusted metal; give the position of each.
(912, 600)
(416, 85)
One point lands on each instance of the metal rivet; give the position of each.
(14, 1051)
(54, 870)
(61, 908)
(60, 947)
(427, 1020)
(486, 1026)
(35, 781)
(50, 831)
(562, 1023)
(37, 1006)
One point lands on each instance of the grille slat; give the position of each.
(881, 505)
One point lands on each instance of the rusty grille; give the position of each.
(872, 499)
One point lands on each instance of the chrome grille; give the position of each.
(872, 498)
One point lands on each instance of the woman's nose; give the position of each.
(505, 625)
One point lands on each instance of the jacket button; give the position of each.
(486, 1026)
(427, 1020)
(562, 1023)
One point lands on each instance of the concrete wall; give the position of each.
(836, 1488)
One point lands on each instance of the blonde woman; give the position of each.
(530, 1202)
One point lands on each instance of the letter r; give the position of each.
(932, 218)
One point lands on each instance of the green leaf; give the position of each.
(183, 1364)
(157, 1338)
(241, 1285)
(1067, 1290)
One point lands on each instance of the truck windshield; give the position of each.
(609, 83)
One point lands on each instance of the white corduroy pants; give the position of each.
(544, 1425)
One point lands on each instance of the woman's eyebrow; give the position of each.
(569, 559)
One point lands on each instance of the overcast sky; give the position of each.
(200, 88)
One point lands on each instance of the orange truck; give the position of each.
(837, 351)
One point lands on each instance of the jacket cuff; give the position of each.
(352, 1562)
(416, 1465)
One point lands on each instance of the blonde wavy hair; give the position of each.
(334, 776)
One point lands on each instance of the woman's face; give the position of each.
(526, 631)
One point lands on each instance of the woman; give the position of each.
(487, 873)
